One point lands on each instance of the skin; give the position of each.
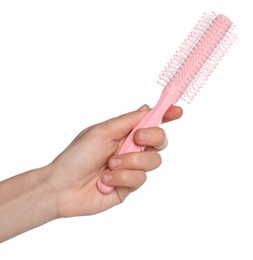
(66, 187)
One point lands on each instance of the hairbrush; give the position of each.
(186, 72)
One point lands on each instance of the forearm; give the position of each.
(26, 202)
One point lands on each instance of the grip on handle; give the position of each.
(151, 119)
(127, 147)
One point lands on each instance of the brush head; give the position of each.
(198, 56)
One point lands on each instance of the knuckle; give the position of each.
(162, 141)
(163, 135)
(124, 178)
(142, 177)
(157, 160)
(135, 160)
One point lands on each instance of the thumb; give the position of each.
(121, 126)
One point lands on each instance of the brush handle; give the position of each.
(152, 119)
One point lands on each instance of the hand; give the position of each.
(75, 171)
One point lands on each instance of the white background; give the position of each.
(65, 65)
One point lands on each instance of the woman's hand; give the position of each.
(74, 173)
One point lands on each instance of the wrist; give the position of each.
(40, 196)
(49, 192)
(28, 202)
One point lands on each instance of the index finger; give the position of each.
(173, 113)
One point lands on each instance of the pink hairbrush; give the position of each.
(186, 73)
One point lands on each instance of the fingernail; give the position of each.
(115, 163)
(143, 108)
(143, 136)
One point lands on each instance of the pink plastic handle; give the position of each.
(153, 118)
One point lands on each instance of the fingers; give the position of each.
(123, 124)
(129, 170)
(120, 126)
(151, 137)
(145, 161)
(132, 180)
(156, 137)
(173, 113)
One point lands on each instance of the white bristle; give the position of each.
(187, 47)
(210, 64)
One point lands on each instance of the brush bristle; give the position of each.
(188, 46)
